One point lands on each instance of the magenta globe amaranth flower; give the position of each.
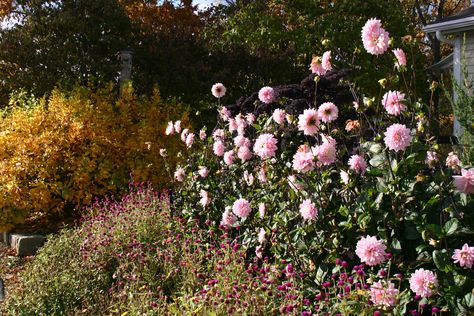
(370, 250)
(423, 282)
(265, 146)
(266, 95)
(397, 137)
(374, 37)
(241, 208)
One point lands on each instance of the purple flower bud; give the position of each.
(306, 301)
(417, 297)
(306, 313)
(344, 264)
(338, 261)
(382, 273)
(350, 280)
(377, 313)
(414, 312)
(435, 310)
(389, 256)
(347, 289)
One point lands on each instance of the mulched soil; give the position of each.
(10, 267)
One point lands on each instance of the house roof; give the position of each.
(461, 21)
(444, 64)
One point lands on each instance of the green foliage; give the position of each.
(272, 42)
(463, 108)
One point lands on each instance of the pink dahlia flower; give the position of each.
(218, 90)
(316, 66)
(218, 133)
(279, 116)
(232, 125)
(250, 117)
(400, 56)
(177, 126)
(248, 178)
(241, 141)
(344, 177)
(431, 158)
(169, 129)
(465, 182)
(326, 153)
(371, 250)
(308, 210)
(326, 61)
(295, 184)
(262, 175)
(384, 296)
(328, 112)
(203, 171)
(308, 122)
(374, 37)
(229, 157)
(224, 113)
(423, 282)
(464, 256)
(266, 95)
(303, 160)
(261, 210)
(262, 236)
(397, 137)
(179, 174)
(189, 140)
(244, 153)
(218, 148)
(202, 134)
(241, 208)
(452, 161)
(393, 102)
(228, 218)
(358, 164)
(265, 146)
(205, 200)
(184, 134)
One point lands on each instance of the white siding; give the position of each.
(468, 57)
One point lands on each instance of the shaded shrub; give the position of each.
(61, 152)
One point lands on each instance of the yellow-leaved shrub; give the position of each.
(59, 153)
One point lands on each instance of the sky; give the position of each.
(204, 3)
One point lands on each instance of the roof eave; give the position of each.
(451, 26)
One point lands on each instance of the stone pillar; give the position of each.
(125, 57)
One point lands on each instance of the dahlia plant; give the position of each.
(310, 188)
